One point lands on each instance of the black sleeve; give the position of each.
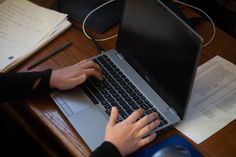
(106, 149)
(15, 85)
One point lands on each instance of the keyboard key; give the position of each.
(117, 90)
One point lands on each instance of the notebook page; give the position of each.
(23, 25)
(52, 35)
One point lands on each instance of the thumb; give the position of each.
(113, 117)
(79, 80)
(82, 78)
(72, 82)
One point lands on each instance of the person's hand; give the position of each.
(71, 76)
(128, 135)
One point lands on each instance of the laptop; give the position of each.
(153, 67)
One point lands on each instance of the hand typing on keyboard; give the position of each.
(71, 76)
(128, 135)
(117, 90)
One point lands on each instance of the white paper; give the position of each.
(22, 26)
(213, 101)
(52, 35)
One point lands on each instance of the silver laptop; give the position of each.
(152, 68)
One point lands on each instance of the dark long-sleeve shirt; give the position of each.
(106, 149)
(16, 85)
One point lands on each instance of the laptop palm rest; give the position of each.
(90, 124)
(85, 117)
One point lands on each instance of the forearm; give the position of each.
(107, 149)
(13, 85)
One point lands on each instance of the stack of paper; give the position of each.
(24, 29)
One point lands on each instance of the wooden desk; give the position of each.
(43, 120)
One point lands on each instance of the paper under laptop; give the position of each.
(154, 64)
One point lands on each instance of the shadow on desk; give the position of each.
(15, 141)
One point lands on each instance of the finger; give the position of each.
(77, 65)
(147, 139)
(91, 64)
(79, 80)
(148, 128)
(135, 115)
(146, 119)
(93, 72)
(113, 117)
(83, 61)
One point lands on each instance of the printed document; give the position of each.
(24, 28)
(213, 100)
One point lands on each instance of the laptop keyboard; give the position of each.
(117, 90)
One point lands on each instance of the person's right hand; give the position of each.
(71, 76)
(128, 135)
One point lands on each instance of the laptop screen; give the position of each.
(161, 48)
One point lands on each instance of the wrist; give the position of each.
(53, 79)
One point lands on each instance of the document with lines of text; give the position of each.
(213, 100)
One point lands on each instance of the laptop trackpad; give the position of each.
(90, 124)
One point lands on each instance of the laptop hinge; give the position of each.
(120, 56)
(171, 110)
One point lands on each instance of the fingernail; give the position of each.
(83, 77)
(154, 134)
(154, 114)
(157, 115)
(113, 108)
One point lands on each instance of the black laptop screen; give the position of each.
(161, 48)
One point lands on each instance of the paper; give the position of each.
(1, 1)
(23, 26)
(213, 101)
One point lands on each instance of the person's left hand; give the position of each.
(71, 76)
